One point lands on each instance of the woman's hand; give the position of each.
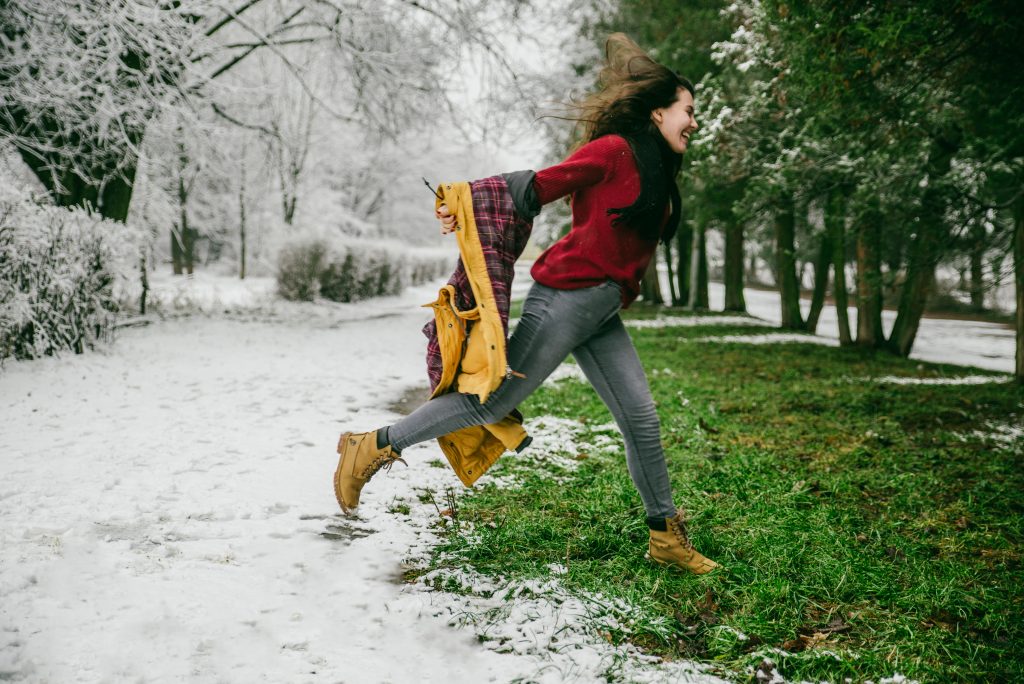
(447, 219)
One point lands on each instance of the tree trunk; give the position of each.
(789, 287)
(241, 222)
(1018, 268)
(835, 220)
(144, 278)
(650, 286)
(184, 240)
(869, 278)
(977, 268)
(699, 269)
(684, 249)
(820, 282)
(108, 191)
(177, 250)
(673, 295)
(926, 248)
(734, 267)
(289, 202)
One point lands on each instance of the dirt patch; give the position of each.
(410, 400)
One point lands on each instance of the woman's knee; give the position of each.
(497, 406)
(642, 417)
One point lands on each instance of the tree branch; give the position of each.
(241, 124)
(231, 16)
(261, 41)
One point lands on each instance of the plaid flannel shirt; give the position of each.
(503, 234)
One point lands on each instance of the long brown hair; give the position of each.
(629, 87)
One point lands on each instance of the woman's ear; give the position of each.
(657, 115)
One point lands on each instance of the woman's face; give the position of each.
(676, 122)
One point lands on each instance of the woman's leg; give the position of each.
(552, 324)
(610, 362)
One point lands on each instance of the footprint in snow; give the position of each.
(344, 531)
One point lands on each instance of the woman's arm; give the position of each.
(589, 165)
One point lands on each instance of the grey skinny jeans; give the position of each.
(555, 323)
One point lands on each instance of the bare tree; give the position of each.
(81, 83)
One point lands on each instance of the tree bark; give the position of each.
(699, 268)
(734, 267)
(650, 286)
(177, 250)
(241, 222)
(869, 278)
(684, 249)
(107, 192)
(820, 282)
(673, 294)
(182, 241)
(789, 287)
(926, 247)
(144, 279)
(977, 267)
(835, 220)
(1018, 268)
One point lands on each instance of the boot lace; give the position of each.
(678, 527)
(386, 460)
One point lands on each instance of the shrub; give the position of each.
(299, 269)
(57, 271)
(351, 270)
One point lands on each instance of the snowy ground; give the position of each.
(969, 343)
(167, 513)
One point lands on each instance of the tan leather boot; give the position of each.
(360, 459)
(673, 548)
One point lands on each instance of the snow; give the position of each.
(769, 338)
(164, 508)
(961, 380)
(970, 343)
(990, 346)
(690, 321)
(168, 515)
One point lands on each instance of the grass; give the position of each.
(864, 528)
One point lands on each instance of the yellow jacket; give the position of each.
(472, 345)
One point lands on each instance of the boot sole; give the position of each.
(337, 474)
(679, 568)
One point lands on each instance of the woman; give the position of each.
(624, 199)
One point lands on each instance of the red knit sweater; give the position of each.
(601, 174)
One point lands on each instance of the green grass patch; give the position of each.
(865, 528)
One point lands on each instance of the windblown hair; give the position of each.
(630, 86)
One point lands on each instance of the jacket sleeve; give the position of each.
(524, 194)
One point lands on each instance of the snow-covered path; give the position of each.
(167, 512)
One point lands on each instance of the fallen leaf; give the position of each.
(793, 645)
(816, 640)
(708, 603)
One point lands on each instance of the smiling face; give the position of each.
(676, 122)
